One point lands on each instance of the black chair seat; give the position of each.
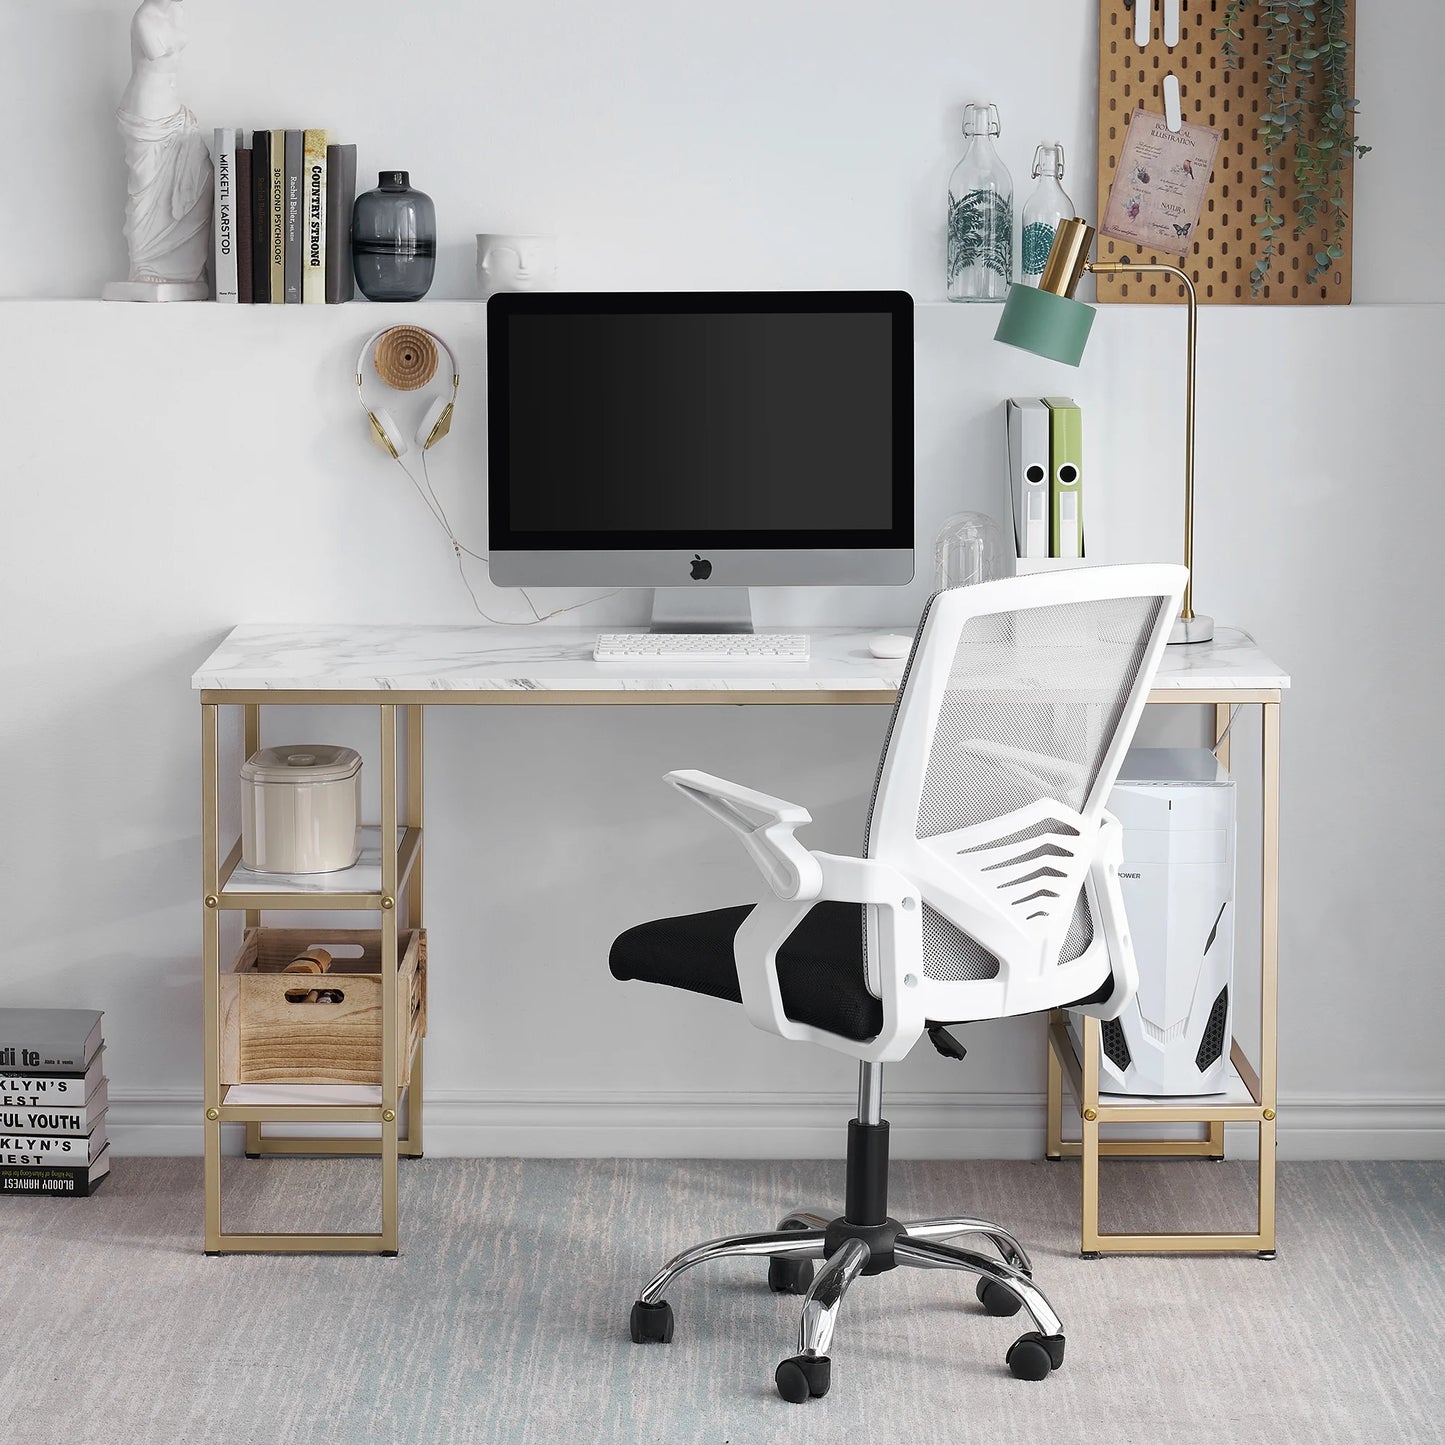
(820, 967)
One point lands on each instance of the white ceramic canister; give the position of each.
(300, 809)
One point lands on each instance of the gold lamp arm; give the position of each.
(1114, 268)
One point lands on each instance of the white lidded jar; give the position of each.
(300, 809)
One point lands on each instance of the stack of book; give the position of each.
(52, 1102)
(283, 217)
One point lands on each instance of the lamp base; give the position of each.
(1192, 629)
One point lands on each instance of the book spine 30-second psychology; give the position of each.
(277, 243)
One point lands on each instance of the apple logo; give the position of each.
(701, 568)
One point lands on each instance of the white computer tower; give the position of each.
(1177, 806)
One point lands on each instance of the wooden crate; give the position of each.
(1226, 242)
(267, 1038)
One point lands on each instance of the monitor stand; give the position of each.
(701, 609)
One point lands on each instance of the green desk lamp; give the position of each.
(1049, 322)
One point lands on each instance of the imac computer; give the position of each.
(700, 444)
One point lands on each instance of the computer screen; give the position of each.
(657, 428)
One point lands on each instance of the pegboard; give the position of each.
(1226, 243)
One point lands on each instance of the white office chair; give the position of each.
(988, 887)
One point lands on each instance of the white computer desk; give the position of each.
(402, 670)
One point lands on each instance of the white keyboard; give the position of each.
(701, 647)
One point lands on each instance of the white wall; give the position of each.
(170, 472)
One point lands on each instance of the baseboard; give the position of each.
(599, 1124)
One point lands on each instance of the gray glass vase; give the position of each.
(394, 240)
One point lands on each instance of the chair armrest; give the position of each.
(898, 909)
(764, 825)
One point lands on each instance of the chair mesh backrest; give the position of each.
(1033, 702)
(1032, 705)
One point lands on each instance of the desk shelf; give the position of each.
(1249, 1096)
(353, 889)
(283, 1114)
(383, 1119)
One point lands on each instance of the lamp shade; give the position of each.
(1048, 325)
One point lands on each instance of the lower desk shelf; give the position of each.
(336, 1107)
(1240, 1102)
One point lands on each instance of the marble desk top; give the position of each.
(343, 658)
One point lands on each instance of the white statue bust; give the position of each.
(168, 193)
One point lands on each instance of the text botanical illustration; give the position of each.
(1308, 127)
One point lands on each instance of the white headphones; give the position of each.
(412, 361)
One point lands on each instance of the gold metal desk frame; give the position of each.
(1083, 1074)
(398, 901)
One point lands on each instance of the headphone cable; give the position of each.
(427, 493)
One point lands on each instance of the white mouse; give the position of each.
(890, 645)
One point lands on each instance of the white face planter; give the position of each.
(516, 263)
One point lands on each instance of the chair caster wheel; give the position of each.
(996, 1299)
(651, 1324)
(1089, 1254)
(1266, 1254)
(1033, 1355)
(213, 1254)
(803, 1377)
(388, 1254)
(790, 1276)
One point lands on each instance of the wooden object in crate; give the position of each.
(1226, 242)
(267, 1039)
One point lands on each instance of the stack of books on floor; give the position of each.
(283, 217)
(53, 1100)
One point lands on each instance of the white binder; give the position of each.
(1028, 460)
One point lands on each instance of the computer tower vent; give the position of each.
(1211, 1045)
(1171, 1035)
(1116, 1046)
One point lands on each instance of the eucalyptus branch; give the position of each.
(1308, 124)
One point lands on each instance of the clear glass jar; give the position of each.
(969, 548)
(980, 214)
(1044, 209)
(394, 240)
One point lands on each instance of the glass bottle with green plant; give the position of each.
(980, 214)
(1308, 125)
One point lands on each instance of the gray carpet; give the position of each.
(505, 1318)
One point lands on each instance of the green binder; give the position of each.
(1066, 477)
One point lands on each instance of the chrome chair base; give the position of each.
(1005, 1284)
